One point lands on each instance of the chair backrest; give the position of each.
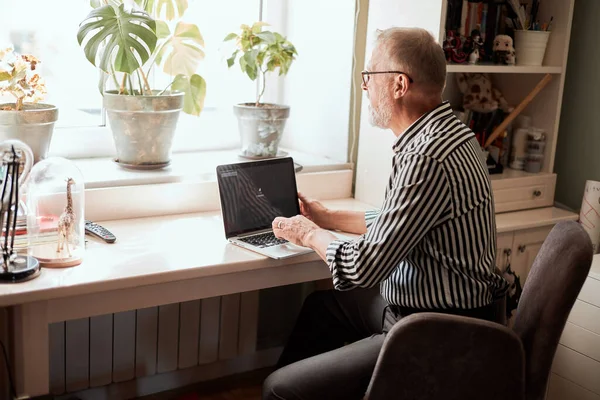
(552, 286)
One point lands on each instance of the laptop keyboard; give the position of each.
(263, 240)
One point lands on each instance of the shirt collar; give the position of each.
(421, 124)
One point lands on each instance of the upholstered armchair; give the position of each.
(436, 356)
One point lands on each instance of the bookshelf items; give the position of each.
(513, 189)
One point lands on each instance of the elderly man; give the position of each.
(431, 247)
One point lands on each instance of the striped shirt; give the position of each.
(433, 243)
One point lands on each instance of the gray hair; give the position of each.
(415, 52)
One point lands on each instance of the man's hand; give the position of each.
(315, 211)
(296, 230)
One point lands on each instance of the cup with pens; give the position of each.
(531, 36)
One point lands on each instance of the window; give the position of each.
(321, 31)
(48, 33)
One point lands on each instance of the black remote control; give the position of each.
(99, 231)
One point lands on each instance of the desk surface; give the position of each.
(156, 250)
(150, 251)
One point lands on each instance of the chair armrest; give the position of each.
(439, 356)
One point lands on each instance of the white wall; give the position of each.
(317, 87)
(375, 145)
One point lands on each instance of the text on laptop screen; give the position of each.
(253, 194)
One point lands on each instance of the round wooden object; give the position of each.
(60, 262)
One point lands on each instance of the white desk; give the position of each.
(155, 261)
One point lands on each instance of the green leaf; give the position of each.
(250, 61)
(230, 37)
(132, 35)
(183, 50)
(272, 64)
(5, 75)
(257, 26)
(100, 3)
(231, 60)
(268, 37)
(162, 29)
(170, 9)
(195, 92)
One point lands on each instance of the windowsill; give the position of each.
(189, 184)
(196, 166)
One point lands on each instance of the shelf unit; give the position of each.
(515, 82)
(502, 69)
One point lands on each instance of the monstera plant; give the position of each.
(129, 41)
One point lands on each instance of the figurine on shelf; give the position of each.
(453, 49)
(474, 56)
(66, 222)
(504, 52)
(479, 95)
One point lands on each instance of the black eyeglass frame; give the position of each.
(365, 75)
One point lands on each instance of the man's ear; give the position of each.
(401, 84)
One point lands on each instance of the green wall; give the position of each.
(578, 147)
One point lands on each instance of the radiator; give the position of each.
(110, 349)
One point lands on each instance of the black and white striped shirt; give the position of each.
(433, 243)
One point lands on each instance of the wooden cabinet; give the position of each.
(520, 249)
(526, 245)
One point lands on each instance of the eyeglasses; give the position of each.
(366, 75)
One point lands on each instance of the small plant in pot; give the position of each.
(258, 52)
(127, 41)
(26, 119)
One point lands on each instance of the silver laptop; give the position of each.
(252, 195)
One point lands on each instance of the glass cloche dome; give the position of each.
(55, 213)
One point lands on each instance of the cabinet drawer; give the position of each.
(577, 368)
(590, 292)
(523, 193)
(560, 388)
(586, 316)
(581, 340)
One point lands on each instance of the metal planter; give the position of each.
(261, 128)
(143, 127)
(33, 125)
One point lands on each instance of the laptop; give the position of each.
(254, 193)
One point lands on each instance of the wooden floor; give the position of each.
(238, 387)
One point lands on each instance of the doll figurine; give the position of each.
(504, 52)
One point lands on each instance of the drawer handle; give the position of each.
(522, 248)
(537, 193)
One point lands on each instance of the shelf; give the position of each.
(517, 174)
(504, 69)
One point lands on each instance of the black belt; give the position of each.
(486, 312)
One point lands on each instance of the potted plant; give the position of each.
(126, 41)
(26, 119)
(258, 52)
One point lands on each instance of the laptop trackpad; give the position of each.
(285, 250)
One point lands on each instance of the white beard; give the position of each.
(381, 116)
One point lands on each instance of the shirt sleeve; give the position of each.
(418, 200)
(370, 217)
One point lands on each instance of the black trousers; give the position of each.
(333, 349)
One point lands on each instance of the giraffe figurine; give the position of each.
(66, 222)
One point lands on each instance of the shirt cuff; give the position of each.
(332, 259)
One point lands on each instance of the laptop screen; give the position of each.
(254, 193)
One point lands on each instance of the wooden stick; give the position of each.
(541, 84)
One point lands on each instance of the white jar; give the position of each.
(518, 148)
